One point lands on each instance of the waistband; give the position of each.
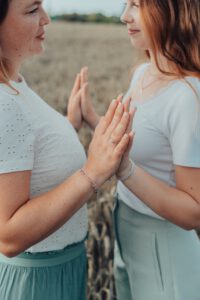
(45, 259)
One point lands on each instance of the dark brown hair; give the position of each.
(4, 5)
(174, 30)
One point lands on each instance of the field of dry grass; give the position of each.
(106, 50)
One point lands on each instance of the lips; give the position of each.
(133, 31)
(41, 36)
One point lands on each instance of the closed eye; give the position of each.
(34, 10)
(132, 3)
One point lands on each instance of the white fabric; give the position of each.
(167, 128)
(33, 136)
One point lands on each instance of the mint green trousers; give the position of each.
(154, 259)
(55, 275)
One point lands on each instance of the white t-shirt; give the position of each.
(33, 136)
(167, 133)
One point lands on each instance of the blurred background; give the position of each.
(87, 33)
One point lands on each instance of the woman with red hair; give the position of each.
(157, 253)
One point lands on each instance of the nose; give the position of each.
(126, 17)
(45, 19)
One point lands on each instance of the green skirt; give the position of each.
(154, 259)
(55, 275)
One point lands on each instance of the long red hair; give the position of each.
(174, 30)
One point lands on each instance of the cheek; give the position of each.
(139, 41)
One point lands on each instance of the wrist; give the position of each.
(92, 183)
(94, 175)
(126, 172)
(73, 123)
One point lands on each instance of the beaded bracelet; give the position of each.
(92, 182)
(125, 175)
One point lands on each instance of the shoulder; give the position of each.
(183, 106)
(185, 94)
(7, 102)
(11, 110)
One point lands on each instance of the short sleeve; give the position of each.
(16, 138)
(184, 123)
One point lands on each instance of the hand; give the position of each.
(74, 104)
(87, 108)
(109, 143)
(125, 164)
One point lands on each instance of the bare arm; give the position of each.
(24, 223)
(180, 205)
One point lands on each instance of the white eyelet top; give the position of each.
(33, 136)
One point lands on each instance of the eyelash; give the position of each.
(34, 10)
(132, 4)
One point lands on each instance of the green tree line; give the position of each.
(92, 18)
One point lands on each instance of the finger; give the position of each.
(75, 101)
(116, 119)
(120, 129)
(107, 119)
(76, 86)
(85, 92)
(122, 145)
(119, 98)
(127, 104)
(84, 76)
(130, 144)
(131, 114)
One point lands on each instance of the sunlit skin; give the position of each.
(138, 36)
(131, 16)
(22, 33)
(22, 224)
(160, 197)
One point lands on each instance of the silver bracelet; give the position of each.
(128, 173)
(92, 182)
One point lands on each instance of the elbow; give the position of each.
(11, 244)
(192, 224)
(10, 250)
(190, 220)
(190, 227)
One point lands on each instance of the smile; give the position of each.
(133, 32)
(41, 36)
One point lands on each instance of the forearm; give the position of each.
(168, 202)
(42, 215)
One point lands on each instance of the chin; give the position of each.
(140, 45)
(36, 51)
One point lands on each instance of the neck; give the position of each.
(162, 61)
(12, 69)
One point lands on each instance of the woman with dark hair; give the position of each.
(157, 254)
(45, 178)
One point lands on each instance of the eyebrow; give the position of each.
(37, 2)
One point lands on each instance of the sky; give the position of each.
(108, 7)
